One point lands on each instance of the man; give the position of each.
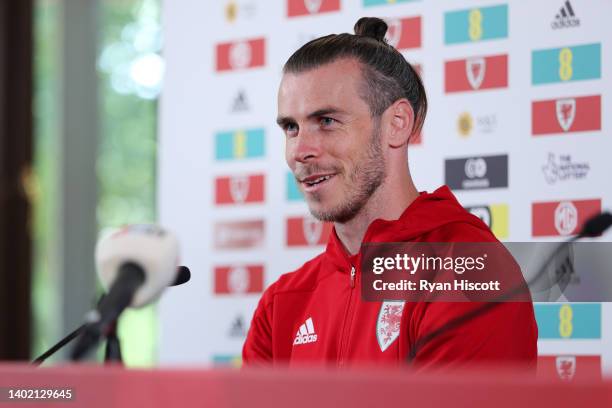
(348, 105)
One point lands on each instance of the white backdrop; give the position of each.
(224, 185)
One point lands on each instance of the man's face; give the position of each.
(333, 146)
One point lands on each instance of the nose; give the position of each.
(305, 146)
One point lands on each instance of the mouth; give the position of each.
(316, 182)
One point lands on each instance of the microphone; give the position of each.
(593, 227)
(135, 265)
(183, 275)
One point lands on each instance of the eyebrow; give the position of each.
(284, 120)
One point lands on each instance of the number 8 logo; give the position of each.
(475, 30)
(565, 321)
(565, 64)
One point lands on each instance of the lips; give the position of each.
(315, 182)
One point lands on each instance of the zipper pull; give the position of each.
(352, 276)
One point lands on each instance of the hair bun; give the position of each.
(371, 27)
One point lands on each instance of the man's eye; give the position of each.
(327, 121)
(291, 128)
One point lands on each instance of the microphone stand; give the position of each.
(112, 352)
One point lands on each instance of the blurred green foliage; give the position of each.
(126, 163)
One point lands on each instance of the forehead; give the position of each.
(334, 84)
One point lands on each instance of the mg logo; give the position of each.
(566, 112)
(475, 168)
(240, 55)
(566, 217)
(312, 230)
(475, 71)
(239, 188)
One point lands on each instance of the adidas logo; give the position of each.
(240, 103)
(306, 334)
(566, 18)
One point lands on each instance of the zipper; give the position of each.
(348, 318)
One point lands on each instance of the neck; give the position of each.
(388, 203)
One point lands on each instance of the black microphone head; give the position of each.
(183, 274)
(596, 225)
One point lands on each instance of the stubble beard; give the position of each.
(367, 175)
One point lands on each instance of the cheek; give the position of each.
(289, 154)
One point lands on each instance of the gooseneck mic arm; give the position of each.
(593, 227)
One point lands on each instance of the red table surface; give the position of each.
(98, 386)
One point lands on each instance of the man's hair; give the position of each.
(387, 76)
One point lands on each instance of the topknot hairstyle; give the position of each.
(387, 76)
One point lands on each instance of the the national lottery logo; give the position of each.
(404, 33)
(477, 24)
(307, 231)
(562, 168)
(241, 54)
(571, 63)
(563, 115)
(562, 218)
(476, 172)
(476, 73)
(239, 234)
(239, 189)
(238, 279)
(495, 216)
(297, 8)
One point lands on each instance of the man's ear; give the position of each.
(398, 121)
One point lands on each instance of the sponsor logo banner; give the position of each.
(239, 189)
(476, 73)
(562, 168)
(243, 9)
(572, 114)
(568, 321)
(479, 24)
(484, 124)
(495, 216)
(240, 144)
(239, 234)
(239, 279)
(306, 7)
(293, 191)
(238, 328)
(238, 55)
(240, 103)
(561, 218)
(227, 360)
(564, 64)
(369, 3)
(569, 367)
(476, 172)
(306, 231)
(565, 18)
(404, 33)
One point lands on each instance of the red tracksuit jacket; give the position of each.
(316, 314)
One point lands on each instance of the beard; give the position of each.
(364, 179)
